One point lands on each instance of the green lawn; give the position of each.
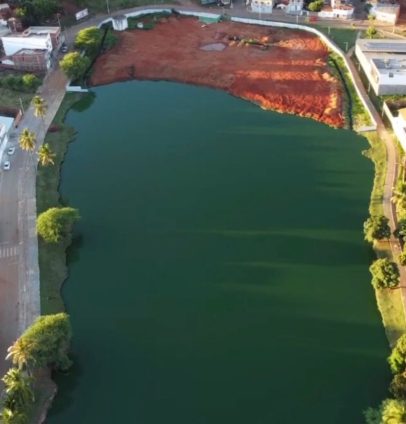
(10, 98)
(97, 6)
(344, 38)
(377, 153)
(52, 257)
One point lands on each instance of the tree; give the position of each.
(8, 416)
(385, 274)
(45, 155)
(391, 411)
(398, 386)
(18, 388)
(40, 107)
(27, 140)
(371, 32)
(19, 353)
(74, 65)
(315, 6)
(55, 224)
(376, 228)
(397, 358)
(30, 81)
(89, 39)
(49, 340)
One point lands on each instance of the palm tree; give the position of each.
(27, 140)
(40, 107)
(20, 354)
(18, 388)
(8, 416)
(46, 155)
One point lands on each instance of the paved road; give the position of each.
(19, 273)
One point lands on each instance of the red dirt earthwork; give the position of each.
(290, 76)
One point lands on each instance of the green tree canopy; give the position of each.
(376, 228)
(89, 39)
(398, 386)
(45, 155)
(391, 411)
(371, 32)
(385, 274)
(74, 65)
(47, 340)
(8, 416)
(27, 140)
(316, 6)
(56, 223)
(18, 389)
(397, 359)
(40, 107)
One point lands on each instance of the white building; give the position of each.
(294, 7)
(262, 6)
(384, 64)
(340, 11)
(5, 126)
(385, 12)
(33, 38)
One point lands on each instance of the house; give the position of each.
(5, 13)
(384, 64)
(337, 9)
(385, 12)
(31, 50)
(262, 6)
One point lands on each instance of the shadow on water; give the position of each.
(224, 276)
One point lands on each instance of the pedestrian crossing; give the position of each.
(8, 251)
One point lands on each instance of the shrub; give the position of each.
(385, 274)
(398, 386)
(371, 32)
(316, 6)
(391, 411)
(55, 224)
(397, 358)
(74, 65)
(30, 81)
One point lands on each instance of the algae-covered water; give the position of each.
(222, 276)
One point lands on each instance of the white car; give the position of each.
(6, 165)
(11, 150)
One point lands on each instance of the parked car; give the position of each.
(11, 150)
(6, 165)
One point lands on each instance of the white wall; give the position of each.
(12, 44)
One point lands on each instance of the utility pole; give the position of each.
(108, 6)
(21, 105)
(346, 46)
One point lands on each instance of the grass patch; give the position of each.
(377, 154)
(390, 305)
(52, 257)
(344, 38)
(10, 98)
(360, 115)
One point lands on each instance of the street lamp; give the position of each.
(108, 6)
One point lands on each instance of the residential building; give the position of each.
(262, 6)
(385, 12)
(384, 64)
(294, 7)
(6, 123)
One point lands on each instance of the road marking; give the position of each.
(8, 251)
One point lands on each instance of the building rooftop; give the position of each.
(390, 65)
(30, 51)
(7, 122)
(382, 46)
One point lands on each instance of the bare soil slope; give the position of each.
(290, 76)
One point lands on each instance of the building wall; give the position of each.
(31, 62)
(12, 44)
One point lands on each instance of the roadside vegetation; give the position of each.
(15, 86)
(90, 42)
(356, 114)
(42, 348)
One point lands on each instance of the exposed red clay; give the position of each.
(291, 76)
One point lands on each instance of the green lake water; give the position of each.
(221, 277)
